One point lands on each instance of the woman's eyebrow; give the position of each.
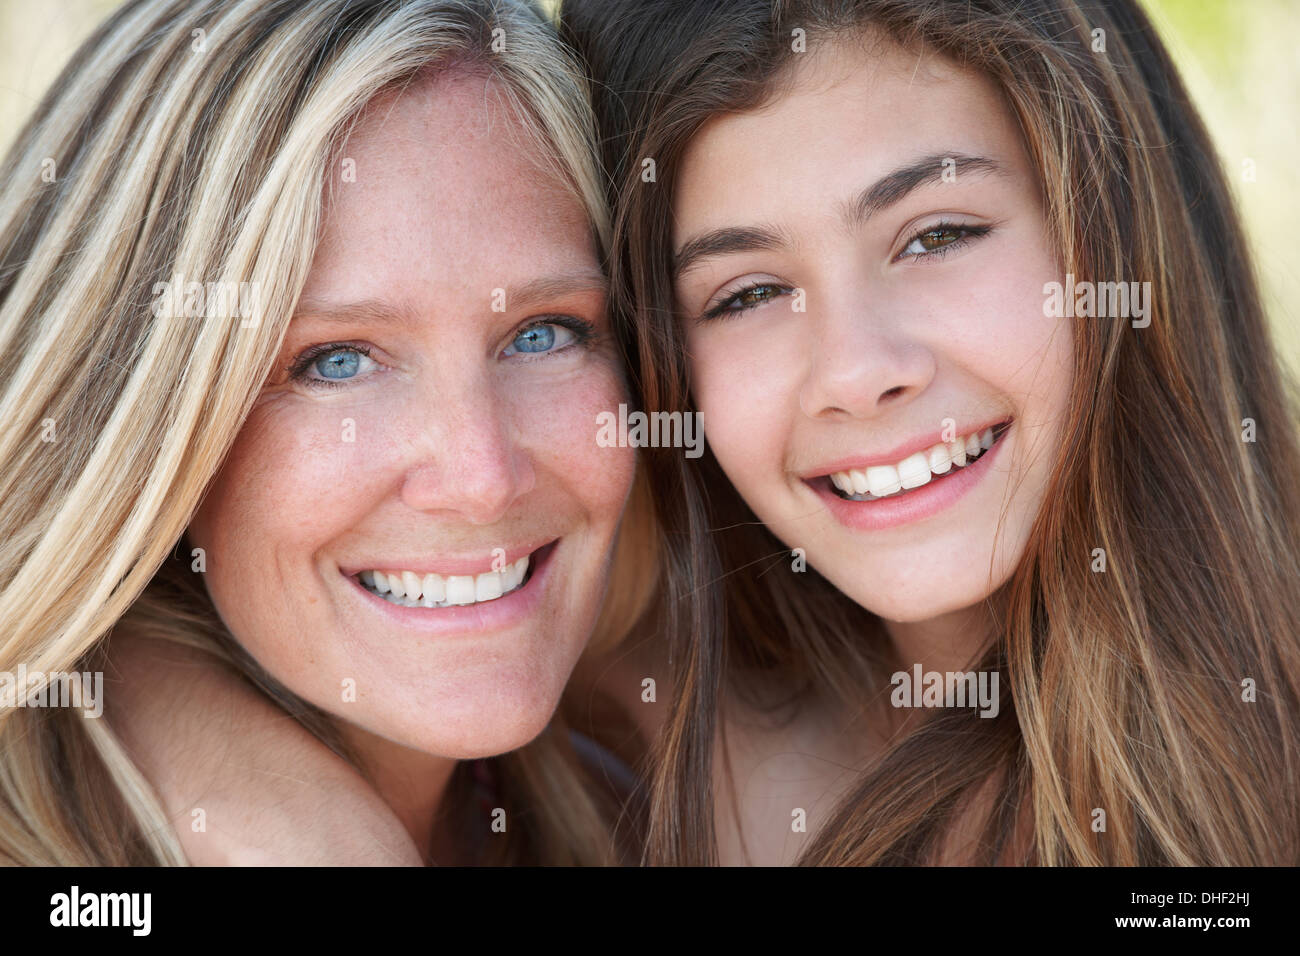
(555, 287)
(890, 189)
(522, 296)
(369, 310)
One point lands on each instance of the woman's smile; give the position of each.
(448, 588)
(484, 603)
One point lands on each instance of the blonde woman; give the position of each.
(304, 338)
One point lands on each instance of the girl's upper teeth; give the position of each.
(438, 590)
(914, 470)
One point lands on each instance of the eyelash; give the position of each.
(584, 334)
(968, 234)
(724, 308)
(298, 370)
(583, 331)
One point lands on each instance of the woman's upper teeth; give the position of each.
(437, 590)
(914, 470)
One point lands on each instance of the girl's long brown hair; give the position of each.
(1130, 691)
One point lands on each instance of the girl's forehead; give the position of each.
(837, 127)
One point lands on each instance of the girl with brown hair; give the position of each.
(852, 224)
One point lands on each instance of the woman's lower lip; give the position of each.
(487, 617)
(915, 505)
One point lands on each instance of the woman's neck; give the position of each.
(413, 784)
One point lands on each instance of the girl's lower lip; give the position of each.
(915, 505)
(488, 617)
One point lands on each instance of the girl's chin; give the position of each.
(899, 606)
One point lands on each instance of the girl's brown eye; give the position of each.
(937, 238)
(745, 299)
(755, 295)
(940, 239)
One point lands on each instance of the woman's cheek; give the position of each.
(298, 477)
(559, 417)
(304, 457)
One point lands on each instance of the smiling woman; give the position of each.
(455, 592)
(380, 498)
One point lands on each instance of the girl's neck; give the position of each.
(949, 642)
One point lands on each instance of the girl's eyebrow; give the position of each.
(721, 242)
(889, 190)
(895, 186)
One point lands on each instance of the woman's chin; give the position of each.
(486, 727)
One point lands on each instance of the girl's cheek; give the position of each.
(753, 374)
(741, 420)
(990, 315)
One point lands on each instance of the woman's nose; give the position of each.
(470, 456)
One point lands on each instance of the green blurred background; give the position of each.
(1240, 58)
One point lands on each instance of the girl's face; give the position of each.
(413, 529)
(861, 266)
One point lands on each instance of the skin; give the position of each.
(462, 444)
(891, 343)
(257, 782)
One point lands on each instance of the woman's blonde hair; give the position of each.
(1164, 692)
(199, 138)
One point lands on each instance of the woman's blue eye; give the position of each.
(333, 364)
(540, 338)
(341, 364)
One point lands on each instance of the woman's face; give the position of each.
(861, 264)
(429, 431)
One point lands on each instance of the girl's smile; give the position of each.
(885, 491)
